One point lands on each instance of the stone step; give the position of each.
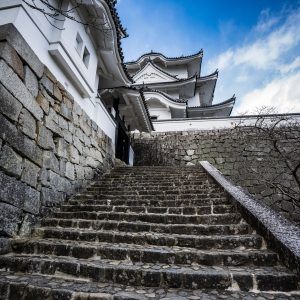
(157, 187)
(186, 229)
(185, 197)
(198, 210)
(37, 287)
(230, 218)
(155, 193)
(250, 241)
(158, 275)
(92, 200)
(151, 254)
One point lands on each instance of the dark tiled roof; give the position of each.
(120, 30)
(230, 100)
(165, 57)
(208, 76)
(147, 89)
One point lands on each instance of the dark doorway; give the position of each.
(122, 142)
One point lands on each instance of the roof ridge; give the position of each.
(166, 57)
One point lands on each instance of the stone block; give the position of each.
(62, 166)
(79, 170)
(32, 201)
(47, 84)
(32, 151)
(45, 137)
(17, 88)
(88, 173)
(56, 93)
(63, 123)
(50, 197)
(9, 105)
(77, 143)
(50, 124)
(12, 58)
(9, 33)
(89, 161)
(61, 148)
(10, 161)
(67, 136)
(43, 102)
(27, 123)
(5, 247)
(50, 161)
(11, 190)
(70, 171)
(28, 222)
(31, 82)
(73, 154)
(10, 219)
(30, 173)
(66, 111)
(59, 183)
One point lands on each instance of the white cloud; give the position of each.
(264, 52)
(282, 93)
(266, 21)
(286, 68)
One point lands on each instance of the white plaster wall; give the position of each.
(180, 71)
(208, 124)
(161, 113)
(39, 42)
(194, 101)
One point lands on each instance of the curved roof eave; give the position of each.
(212, 76)
(119, 33)
(165, 58)
(227, 103)
(166, 97)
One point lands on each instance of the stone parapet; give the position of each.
(240, 154)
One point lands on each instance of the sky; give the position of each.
(255, 44)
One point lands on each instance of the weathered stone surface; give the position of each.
(43, 102)
(11, 57)
(30, 173)
(45, 137)
(16, 87)
(9, 33)
(9, 105)
(10, 219)
(28, 123)
(5, 247)
(50, 161)
(58, 182)
(61, 148)
(70, 171)
(31, 82)
(79, 170)
(10, 161)
(32, 201)
(73, 154)
(50, 196)
(29, 221)
(48, 84)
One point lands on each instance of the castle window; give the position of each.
(86, 57)
(79, 43)
(153, 118)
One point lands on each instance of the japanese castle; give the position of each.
(174, 88)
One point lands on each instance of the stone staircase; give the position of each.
(146, 233)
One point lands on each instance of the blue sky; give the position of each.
(255, 44)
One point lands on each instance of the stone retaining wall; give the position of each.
(49, 147)
(241, 155)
